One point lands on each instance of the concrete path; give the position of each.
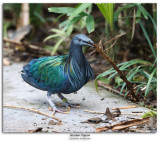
(17, 93)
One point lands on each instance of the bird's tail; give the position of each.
(29, 81)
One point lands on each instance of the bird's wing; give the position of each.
(47, 72)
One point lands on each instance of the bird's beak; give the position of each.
(90, 43)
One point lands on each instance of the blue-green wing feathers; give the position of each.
(47, 73)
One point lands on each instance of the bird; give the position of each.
(62, 74)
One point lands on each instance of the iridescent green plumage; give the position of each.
(50, 70)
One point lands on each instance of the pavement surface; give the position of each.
(18, 93)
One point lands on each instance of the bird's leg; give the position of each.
(65, 101)
(52, 104)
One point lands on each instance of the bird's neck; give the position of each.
(77, 65)
(75, 52)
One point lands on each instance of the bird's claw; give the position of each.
(72, 105)
(57, 110)
(68, 106)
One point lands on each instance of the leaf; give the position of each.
(57, 45)
(96, 84)
(102, 79)
(146, 15)
(90, 23)
(124, 84)
(57, 31)
(138, 15)
(51, 36)
(149, 81)
(142, 9)
(69, 30)
(107, 11)
(118, 80)
(154, 23)
(78, 10)
(70, 23)
(119, 10)
(63, 23)
(64, 10)
(147, 37)
(39, 16)
(149, 114)
(122, 66)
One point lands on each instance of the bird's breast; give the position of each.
(76, 75)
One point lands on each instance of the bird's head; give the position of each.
(82, 40)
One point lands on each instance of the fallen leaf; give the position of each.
(149, 114)
(116, 113)
(51, 122)
(152, 123)
(93, 120)
(109, 115)
(112, 116)
(35, 130)
(44, 118)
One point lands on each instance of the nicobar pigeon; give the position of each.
(60, 74)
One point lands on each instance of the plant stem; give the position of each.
(100, 49)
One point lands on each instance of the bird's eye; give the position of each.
(79, 39)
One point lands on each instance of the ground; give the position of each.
(18, 93)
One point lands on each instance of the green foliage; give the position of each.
(79, 9)
(81, 14)
(149, 114)
(102, 79)
(148, 39)
(121, 9)
(139, 72)
(5, 28)
(60, 35)
(139, 12)
(75, 15)
(118, 80)
(143, 75)
(107, 9)
(36, 15)
(90, 23)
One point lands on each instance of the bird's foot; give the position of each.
(68, 105)
(54, 109)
